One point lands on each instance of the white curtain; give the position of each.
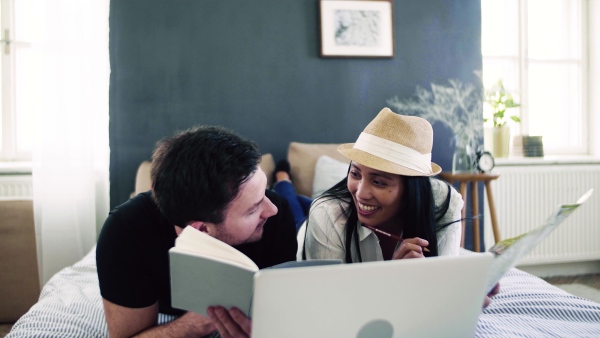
(71, 149)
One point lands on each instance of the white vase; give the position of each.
(497, 140)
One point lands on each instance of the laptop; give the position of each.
(433, 297)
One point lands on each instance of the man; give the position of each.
(207, 178)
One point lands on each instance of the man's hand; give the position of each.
(488, 297)
(411, 248)
(230, 324)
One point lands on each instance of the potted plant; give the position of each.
(497, 132)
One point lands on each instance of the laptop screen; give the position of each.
(433, 297)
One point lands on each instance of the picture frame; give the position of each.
(356, 28)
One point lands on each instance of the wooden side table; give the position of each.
(474, 179)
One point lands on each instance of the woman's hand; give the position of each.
(230, 324)
(488, 297)
(410, 248)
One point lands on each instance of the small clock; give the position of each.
(485, 161)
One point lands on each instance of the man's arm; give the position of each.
(128, 322)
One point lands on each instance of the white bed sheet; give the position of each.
(70, 306)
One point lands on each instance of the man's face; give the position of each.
(246, 214)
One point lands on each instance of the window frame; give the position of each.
(9, 149)
(523, 62)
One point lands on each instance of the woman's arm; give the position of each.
(450, 236)
(324, 233)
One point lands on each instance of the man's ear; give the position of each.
(201, 226)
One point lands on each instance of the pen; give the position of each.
(394, 237)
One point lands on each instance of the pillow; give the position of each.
(267, 164)
(303, 157)
(328, 172)
(143, 182)
(19, 280)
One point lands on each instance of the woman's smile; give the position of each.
(366, 209)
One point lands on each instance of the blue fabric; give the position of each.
(299, 204)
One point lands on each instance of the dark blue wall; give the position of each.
(254, 67)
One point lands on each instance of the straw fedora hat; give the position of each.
(396, 144)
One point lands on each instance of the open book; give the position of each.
(508, 252)
(206, 271)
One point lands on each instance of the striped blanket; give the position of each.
(70, 306)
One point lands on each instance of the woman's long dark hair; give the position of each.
(419, 211)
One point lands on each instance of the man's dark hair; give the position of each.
(196, 173)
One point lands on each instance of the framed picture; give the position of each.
(356, 28)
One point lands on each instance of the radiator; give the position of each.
(525, 196)
(16, 187)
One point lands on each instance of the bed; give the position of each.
(70, 304)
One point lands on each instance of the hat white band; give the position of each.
(394, 152)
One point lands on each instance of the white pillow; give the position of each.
(328, 172)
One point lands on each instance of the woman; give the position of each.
(389, 206)
(388, 194)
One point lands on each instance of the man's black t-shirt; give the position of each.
(132, 251)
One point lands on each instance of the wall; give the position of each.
(254, 67)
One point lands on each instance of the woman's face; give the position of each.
(377, 195)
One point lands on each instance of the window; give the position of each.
(539, 49)
(19, 67)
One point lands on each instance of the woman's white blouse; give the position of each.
(325, 235)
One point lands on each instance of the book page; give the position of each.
(509, 251)
(195, 241)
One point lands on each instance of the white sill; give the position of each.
(546, 160)
(15, 168)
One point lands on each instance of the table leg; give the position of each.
(463, 193)
(475, 213)
(494, 220)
